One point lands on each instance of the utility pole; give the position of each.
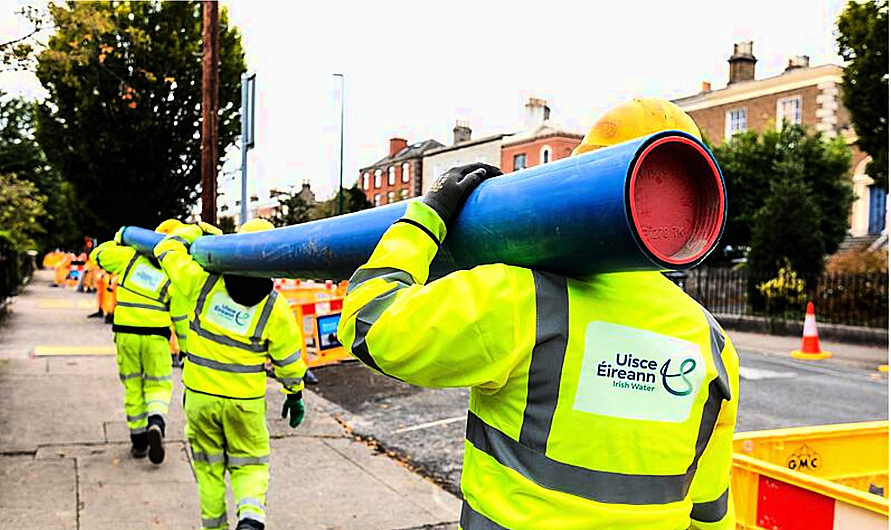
(210, 91)
(340, 186)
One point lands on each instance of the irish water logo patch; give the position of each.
(227, 314)
(638, 374)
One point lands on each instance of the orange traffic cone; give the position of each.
(810, 341)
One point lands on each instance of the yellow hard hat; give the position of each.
(168, 226)
(255, 225)
(636, 118)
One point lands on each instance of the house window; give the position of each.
(391, 197)
(377, 178)
(545, 154)
(789, 110)
(520, 161)
(405, 172)
(365, 182)
(403, 194)
(377, 199)
(737, 122)
(391, 175)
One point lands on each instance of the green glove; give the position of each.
(119, 236)
(294, 405)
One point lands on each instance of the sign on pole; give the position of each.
(248, 104)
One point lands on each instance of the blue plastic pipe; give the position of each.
(575, 217)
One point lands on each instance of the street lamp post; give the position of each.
(340, 185)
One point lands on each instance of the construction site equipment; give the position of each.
(830, 477)
(316, 307)
(810, 340)
(653, 203)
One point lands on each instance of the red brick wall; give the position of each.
(561, 147)
(413, 186)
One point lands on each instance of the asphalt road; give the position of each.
(425, 427)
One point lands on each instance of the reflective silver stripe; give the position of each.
(181, 336)
(125, 377)
(226, 367)
(253, 347)
(264, 317)
(290, 359)
(527, 456)
(388, 273)
(250, 501)
(473, 520)
(255, 516)
(179, 318)
(546, 367)
(205, 290)
(179, 239)
(366, 317)
(710, 512)
(290, 381)
(599, 486)
(213, 523)
(142, 306)
(138, 430)
(198, 456)
(138, 417)
(716, 339)
(158, 377)
(129, 266)
(163, 293)
(236, 461)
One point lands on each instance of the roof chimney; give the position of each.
(396, 145)
(742, 63)
(798, 61)
(537, 112)
(706, 87)
(462, 131)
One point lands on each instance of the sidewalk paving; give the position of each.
(64, 446)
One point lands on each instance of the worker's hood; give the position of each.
(247, 291)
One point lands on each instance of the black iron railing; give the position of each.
(851, 299)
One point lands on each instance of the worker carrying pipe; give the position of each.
(603, 401)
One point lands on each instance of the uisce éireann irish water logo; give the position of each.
(687, 367)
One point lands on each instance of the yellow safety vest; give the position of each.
(228, 343)
(143, 289)
(603, 403)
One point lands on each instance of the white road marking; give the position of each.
(755, 374)
(430, 424)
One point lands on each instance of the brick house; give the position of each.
(540, 141)
(802, 94)
(398, 175)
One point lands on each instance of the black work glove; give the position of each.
(451, 189)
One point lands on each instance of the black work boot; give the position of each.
(250, 524)
(155, 435)
(139, 445)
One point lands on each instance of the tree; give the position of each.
(22, 156)
(20, 207)
(123, 117)
(292, 210)
(757, 168)
(354, 200)
(863, 43)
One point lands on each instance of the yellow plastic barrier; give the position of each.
(62, 270)
(829, 477)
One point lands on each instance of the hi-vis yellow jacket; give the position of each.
(143, 297)
(601, 403)
(228, 343)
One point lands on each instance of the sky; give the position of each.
(412, 68)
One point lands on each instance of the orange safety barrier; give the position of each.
(62, 270)
(316, 306)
